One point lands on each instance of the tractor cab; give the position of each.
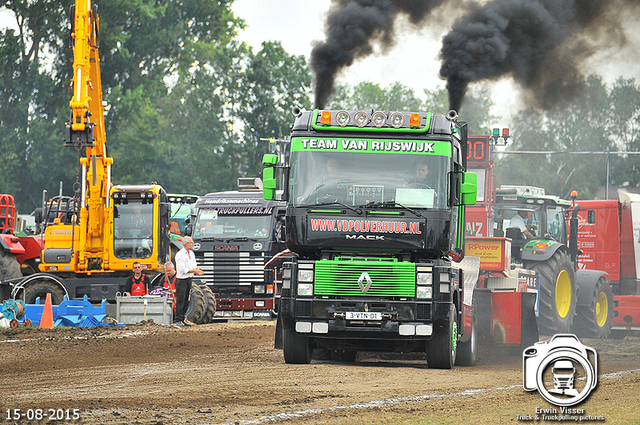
(526, 215)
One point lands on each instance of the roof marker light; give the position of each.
(325, 117)
(414, 120)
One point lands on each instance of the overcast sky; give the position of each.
(413, 61)
(297, 24)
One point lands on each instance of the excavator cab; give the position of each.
(140, 224)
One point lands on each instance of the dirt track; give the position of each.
(230, 373)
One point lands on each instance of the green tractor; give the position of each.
(569, 300)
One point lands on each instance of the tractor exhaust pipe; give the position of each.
(452, 115)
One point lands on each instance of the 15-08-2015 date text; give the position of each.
(42, 414)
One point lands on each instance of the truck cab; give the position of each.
(375, 216)
(236, 233)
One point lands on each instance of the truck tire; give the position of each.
(595, 320)
(558, 293)
(209, 305)
(467, 351)
(196, 304)
(40, 288)
(296, 347)
(442, 348)
(9, 266)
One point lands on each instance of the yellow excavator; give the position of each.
(90, 247)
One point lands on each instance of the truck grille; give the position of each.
(231, 268)
(388, 278)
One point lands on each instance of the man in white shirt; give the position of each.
(518, 222)
(186, 267)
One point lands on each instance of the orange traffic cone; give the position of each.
(47, 314)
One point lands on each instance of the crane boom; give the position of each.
(86, 131)
(89, 248)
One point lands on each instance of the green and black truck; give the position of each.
(375, 217)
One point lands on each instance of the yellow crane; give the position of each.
(89, 248)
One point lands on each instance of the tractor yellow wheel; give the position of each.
(564, 293)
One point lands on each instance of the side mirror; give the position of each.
(469, 188)
(269, 185)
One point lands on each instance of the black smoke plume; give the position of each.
(540, 43)
(351, 28)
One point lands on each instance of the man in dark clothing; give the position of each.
(419, 179)
(138, 284)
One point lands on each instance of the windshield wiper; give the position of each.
(392, 204)
(324, 204)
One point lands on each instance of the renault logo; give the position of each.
(364, 276)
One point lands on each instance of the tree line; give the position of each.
(188, 104)
(187, 101)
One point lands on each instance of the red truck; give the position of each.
(609, 238)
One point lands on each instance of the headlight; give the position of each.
(444, 277)
(444, 288)
(259, 289)
(286, 273)
(379, 119)
(397, 119)
(424, 292)
(305, 275)
(342, 118)
(305, 289)
(424, 278)
(361, 118)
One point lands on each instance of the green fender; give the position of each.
(540, 249)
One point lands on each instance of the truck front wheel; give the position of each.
(296, 347)
(195, 310)
(441, 349)
(467, 350)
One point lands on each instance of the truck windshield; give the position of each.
(361, 179)
(133, 230)
(214, 223)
